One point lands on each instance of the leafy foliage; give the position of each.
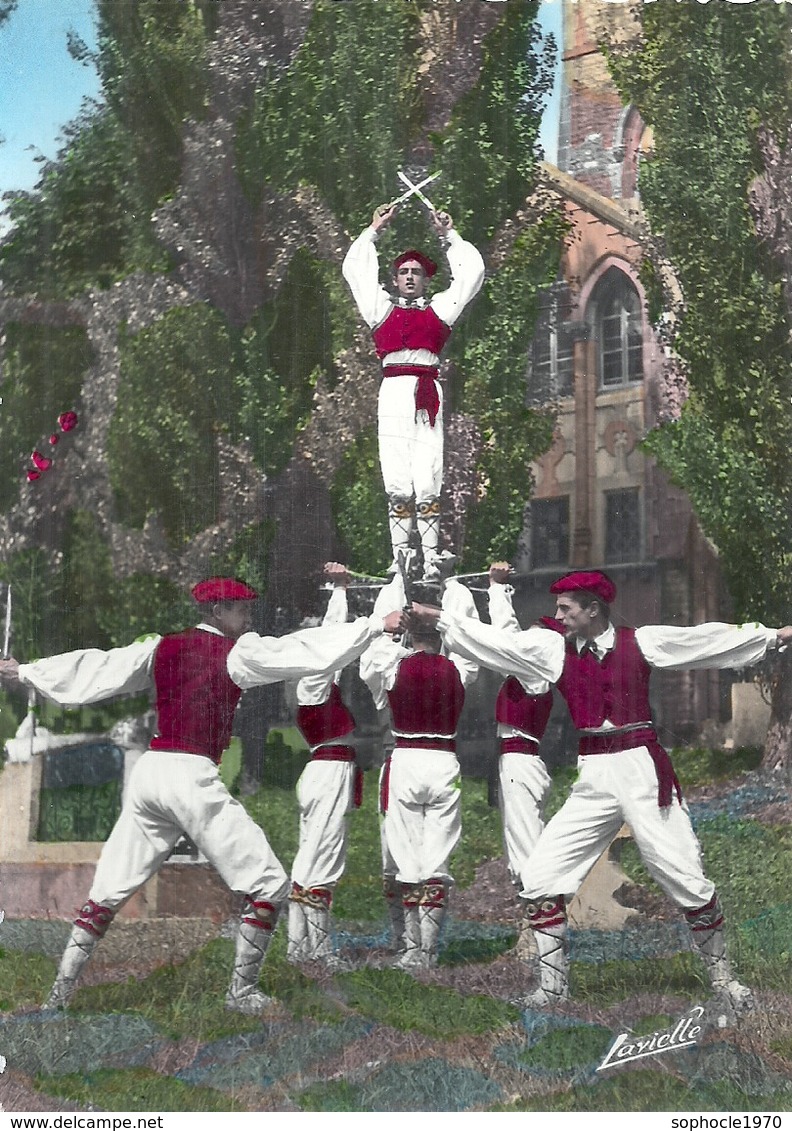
(152, 63)
(35, 632)
(360, 505)
(705, 78)
(281, 352)
(488, 152)
(89, 221)
(44, 368)
(177, 389)
(77, 229)
(343, 114)
(493, 358)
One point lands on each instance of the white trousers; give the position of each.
(171, 793)
(423, 822)
(410, 449)
(613, 789)
(325, 795)
(524, 785)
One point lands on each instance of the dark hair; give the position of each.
(585, 598)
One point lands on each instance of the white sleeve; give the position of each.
(503, 617)
(501, 609)
(90, 675)
(361, 271)
(314, 689)
(380, 662)
(467, 275)
(712, 645)
(256, 660)
(534, 655)
(457, 602)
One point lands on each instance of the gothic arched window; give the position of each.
(618, 327)
(550, 361)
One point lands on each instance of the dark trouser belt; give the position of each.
(517, 745)
(330, 753)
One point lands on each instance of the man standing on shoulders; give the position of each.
(197, 677)
(625, 775)
(409, 332)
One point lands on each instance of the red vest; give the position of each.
(616, 688)
(410, 328)
(323, 723)
(514, 707)
(196, 697)
(426, 700)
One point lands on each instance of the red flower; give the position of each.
(67, 421)
(33, 475)
(54, 438)
(40, 461)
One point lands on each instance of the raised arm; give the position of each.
(457, 602)
(361, 271)
(711, 645)
(467, 272)
(89, 675)
(501, 609)
(313, 690)
(380, 662)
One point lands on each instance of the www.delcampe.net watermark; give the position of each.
(628, 1047)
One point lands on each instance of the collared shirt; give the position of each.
(600, 645)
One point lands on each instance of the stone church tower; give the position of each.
(599, 500)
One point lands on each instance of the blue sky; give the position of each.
(42, 87)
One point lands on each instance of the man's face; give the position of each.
(233, 618)
(410, 279)
(574, 617)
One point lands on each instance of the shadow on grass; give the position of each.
(188, 1000)
(645, 1090)
(396, 999)
(135, 1089)
(605, 983)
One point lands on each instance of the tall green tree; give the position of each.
(706, 78)
(327, 119)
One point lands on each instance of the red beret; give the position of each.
(551, 623)
(429, 265)
(222, 589)
(593, 581)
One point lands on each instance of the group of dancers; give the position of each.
(416, 660)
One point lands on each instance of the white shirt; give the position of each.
(538, 654)
(379, 664)
(361, 271)
(90, 675)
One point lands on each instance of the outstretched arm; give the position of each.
(255, 660)
(712, 645)
(534, 655)
(90, 675)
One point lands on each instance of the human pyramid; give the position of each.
(416, 660)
